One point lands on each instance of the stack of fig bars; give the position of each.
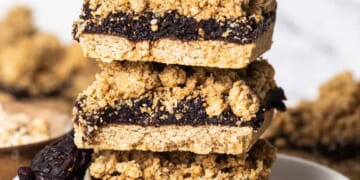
(183, 92)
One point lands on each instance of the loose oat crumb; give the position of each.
(154, 28)
(239, 106)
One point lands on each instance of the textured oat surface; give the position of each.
(184, 165)
(218, 54)
(243, 91)
(200, 139)
(199, 9)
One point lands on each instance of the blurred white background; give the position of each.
(313, 40)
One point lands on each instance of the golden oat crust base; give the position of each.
(217, 54)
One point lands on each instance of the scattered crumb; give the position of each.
(19, 129)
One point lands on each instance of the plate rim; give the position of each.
(306, 162)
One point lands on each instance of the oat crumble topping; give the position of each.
(241, 90)
(199, 9)
(174, 165)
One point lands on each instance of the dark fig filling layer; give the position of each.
(150, 26)
(187, 112)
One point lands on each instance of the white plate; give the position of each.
(292, 168)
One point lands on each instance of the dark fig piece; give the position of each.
(60, 160)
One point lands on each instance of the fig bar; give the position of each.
(183, 165)
(157, 107)
(222, 34)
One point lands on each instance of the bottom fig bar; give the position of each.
(255, 164)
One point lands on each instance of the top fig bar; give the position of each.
(208, 33)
